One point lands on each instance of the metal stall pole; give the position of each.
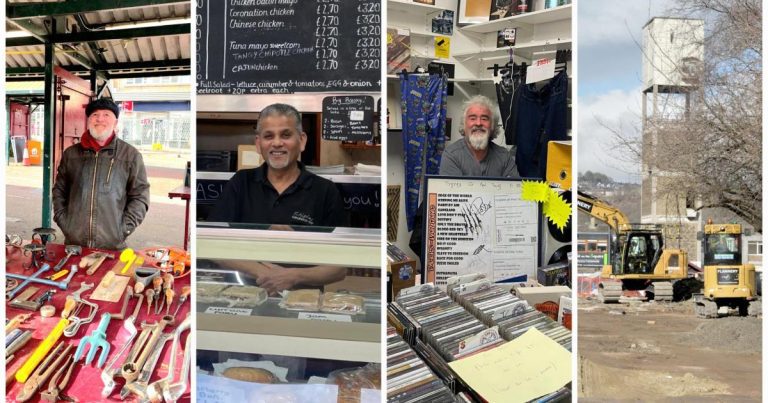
(49, 126)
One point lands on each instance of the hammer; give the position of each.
(94, 261)
(72, 250)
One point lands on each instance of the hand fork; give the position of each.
(97, 339)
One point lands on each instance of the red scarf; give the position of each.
(89, 143)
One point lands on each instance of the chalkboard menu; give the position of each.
(348, 118)
(288, 46)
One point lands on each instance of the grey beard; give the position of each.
(478, 143)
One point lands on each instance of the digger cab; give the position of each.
(724, 274)
(637, 252)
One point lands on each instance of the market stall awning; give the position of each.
(116, 39)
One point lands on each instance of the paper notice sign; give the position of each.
(442, 47)
(521, 370)
(325, 317)
(213, 389)
(539, 70)
(221, 310)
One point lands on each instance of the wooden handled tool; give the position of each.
(40, 352)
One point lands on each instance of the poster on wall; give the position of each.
(473, 12)
(398, 50)
(479, 225)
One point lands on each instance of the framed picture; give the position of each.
(398, 50)
(506, 37)
(473, 12)
(507, 8)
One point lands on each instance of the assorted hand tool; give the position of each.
(182, 297)
(71, 250)
(35, 278)
(55, 387)
(76, 321)
(94, 261)
(96, 340)
(48, 369)
(44, 371)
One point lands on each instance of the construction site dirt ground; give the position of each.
(647, 351)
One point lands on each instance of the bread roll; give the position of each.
(303, 299)
(256, 375)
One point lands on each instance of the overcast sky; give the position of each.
(610, 78)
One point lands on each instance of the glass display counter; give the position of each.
(240, 322)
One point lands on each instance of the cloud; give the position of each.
(609, 79)
(597, 115)
(606, 22)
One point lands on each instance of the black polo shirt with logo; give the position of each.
(249, 197)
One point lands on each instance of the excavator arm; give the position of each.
(603, 211)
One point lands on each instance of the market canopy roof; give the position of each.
(116, 39)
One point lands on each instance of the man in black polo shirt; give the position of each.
(282, 191)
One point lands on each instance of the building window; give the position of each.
(755, 247)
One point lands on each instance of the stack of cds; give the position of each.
(495, 305)
(515, 326)
(492, 304)
(409, 379)
(443, 323)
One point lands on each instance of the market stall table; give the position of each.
(184, 193)
(85, 383)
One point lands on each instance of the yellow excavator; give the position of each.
(638, 265)
(728, 284)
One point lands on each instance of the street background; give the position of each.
(163, 225)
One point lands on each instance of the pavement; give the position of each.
(163, 225)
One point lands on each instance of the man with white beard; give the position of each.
(101, 192)
(478, 155)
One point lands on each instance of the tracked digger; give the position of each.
(728, 284)
(638, 264)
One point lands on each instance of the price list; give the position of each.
(327, 35)
(287, 46)
(368, 49)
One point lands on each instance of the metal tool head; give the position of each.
(173, 391)
(74, 250)
(33, 247)
(83, 288)
(105, 255)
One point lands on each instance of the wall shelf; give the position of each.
(360, 146)
(528, 48)
(451, 80)
(424, 34)
(410, 6)
(532, 18)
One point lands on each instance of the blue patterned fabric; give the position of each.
(424, 104)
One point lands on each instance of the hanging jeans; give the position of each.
(424, 103)
(542, 116)
(505, 90)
